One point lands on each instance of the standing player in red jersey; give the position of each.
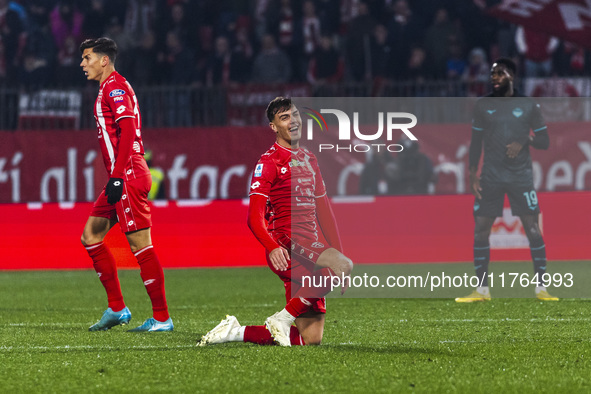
(125, 197)
(287, 187)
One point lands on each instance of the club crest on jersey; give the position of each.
(258, 170)
(296, 163)
(517, 112)
(117, 92)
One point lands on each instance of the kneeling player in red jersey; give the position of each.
(125, 197)
(287, 188)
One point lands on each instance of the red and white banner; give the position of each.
(217, 163)
(399, 229)
(569, 20)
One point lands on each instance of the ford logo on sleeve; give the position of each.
(117, 92)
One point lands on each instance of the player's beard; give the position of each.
(502, 90)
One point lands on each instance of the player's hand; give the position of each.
(114, 190)
(513, 149)
(279, 258)
(475, 186)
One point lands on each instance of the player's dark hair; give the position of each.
(508, 63)
(103, 46)
(278, 104)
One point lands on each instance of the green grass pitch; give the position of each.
(370, 345)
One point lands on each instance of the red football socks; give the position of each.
(261, 336)
(153, 277)
(299, 305)
(106, 269)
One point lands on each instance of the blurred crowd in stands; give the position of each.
(225, 42)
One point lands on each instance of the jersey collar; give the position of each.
(286, 149)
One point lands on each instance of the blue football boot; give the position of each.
(112, 319)
(154, 325)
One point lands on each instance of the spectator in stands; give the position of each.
(68, 60)
(456, 65)
(286, 25)
(329, 14)
(438, 39)
(417, 69)
(404, 30)
(66, 21)
(271, 65)
(38, 14)
(477, 73)
(224, 66)
(95, 19)
(415, 170)
(359, 44)
(378, 174)
(125, 43)
(40, 55)
(327, 65)
(140, 18)
(380, 54)
(536, 49)
(176, 20)
(243, 47)
(12, 41)
(177, 61)
(144, 66)
(311, 29)
(178, 70)
(571, 60)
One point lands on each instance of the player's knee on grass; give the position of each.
(340, 264)
(311, 327)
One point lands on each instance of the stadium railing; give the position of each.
(189, 106)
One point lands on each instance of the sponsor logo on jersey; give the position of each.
(118, 99)
(121, 109)
(258, 171)
(255, 185)
(117, 92)
(283, 170)
(149, 282)
(296, 163)
(318, 245)
(517, 112)
(136, 146)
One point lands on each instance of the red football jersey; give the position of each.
(116, 100)
(291, 181)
